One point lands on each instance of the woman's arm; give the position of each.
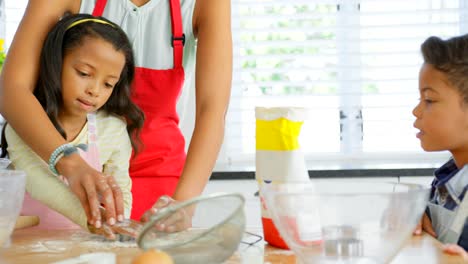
(19, 76)
(212, 27)
(21, 109)
(41, 184)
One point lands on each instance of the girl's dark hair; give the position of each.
(62, 39)
(450, 57)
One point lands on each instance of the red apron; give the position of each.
(156, 169)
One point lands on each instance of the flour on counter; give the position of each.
(49, 246)
(96, 241)
(79, 238)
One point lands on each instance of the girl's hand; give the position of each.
(425, 224)
(454, 249)
(177, 221)
(121, 231)
(88, 185)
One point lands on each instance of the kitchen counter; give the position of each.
(44, 246)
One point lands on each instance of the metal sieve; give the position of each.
(217, 227)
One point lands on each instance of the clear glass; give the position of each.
(362, 222)
(12, 185)
(4, 163)
(217, 227)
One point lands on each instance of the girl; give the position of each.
(442, 121)
(86, 70)
(174, 41)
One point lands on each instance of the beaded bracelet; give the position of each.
(63, 151)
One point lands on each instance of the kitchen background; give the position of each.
(353, 64)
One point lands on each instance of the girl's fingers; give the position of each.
(118, 198)
(128, 228)
(108, 233)
(93, 188)
(81, 194)
(93, 202)
(104, 230)
(116, 192)
(107, 199)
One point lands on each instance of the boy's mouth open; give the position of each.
(420, 134)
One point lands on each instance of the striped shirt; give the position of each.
(448, 197)
(41, 184)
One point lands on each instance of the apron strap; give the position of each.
(92, 128)
(456, 228)
(99, 7)
(178, 37)
(92, 153)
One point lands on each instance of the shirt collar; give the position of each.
(454, 179)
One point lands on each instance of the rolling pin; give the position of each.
(25, 221)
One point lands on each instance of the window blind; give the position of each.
(353, 64)
(14, 10)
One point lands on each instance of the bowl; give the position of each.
(217, 227)
(363, 222)
(4, 163)
(12, 185)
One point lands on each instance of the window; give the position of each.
(11, 12)
(14, 10)
(353, 64)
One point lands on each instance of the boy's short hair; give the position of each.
(450, 57)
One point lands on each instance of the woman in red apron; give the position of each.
(160, 168)
(163, 152)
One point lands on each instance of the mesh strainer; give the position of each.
(218, 224)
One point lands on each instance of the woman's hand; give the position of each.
(93, 188)
(177, 221)
(454, 249)
(120, 231)
(425, 224)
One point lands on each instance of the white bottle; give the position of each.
(279, 158)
